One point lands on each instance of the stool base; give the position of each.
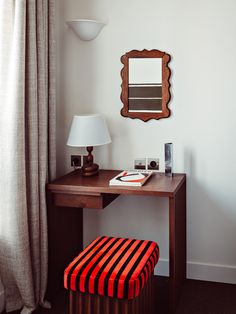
(85, 303)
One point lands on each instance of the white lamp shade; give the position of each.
(86, 29)
(88, 130)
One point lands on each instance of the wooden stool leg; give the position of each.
(115, 306)
(72, 304)
(97, 305)
(87, 303)
(134, 309)
(124, 306)
(76, 304)
(106, 305)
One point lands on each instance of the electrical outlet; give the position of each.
(153, 163)
(75, 161)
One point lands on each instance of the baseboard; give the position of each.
(211, 272)
(162, 268)
(202, 271)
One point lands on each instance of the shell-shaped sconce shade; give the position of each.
(86, 29)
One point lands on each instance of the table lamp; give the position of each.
(88, 130)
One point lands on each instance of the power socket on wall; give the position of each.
(152, 163)
(75, 161)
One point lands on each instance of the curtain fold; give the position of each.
(27, 147)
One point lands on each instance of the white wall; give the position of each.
(201, 38)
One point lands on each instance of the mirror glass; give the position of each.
(145, 85)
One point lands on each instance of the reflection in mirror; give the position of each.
(145, 84)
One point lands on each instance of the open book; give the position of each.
(131, 178)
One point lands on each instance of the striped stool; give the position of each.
(112, 275)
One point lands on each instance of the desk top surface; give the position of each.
(75, 183)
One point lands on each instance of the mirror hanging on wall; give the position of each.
(145, 84)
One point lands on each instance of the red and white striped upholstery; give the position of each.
(115, 267)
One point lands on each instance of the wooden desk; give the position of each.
(66, 225)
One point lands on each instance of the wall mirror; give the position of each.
(145, 84)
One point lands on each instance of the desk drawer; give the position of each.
(99, 201)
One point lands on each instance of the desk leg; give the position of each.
(177, 245)
(65, 241)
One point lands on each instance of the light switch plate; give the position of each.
(140, 163)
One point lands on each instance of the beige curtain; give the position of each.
(27, 147)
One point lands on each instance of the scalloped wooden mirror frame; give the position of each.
(145, 116)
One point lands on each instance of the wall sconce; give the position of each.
(86, 29)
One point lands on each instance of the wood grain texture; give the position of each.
(64, 227)
(177, 248)
(74, 182)
(145, 116)
(83, 201)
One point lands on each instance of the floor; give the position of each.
(198, 297)
(202, 297)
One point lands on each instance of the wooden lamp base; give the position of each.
(90, 169)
